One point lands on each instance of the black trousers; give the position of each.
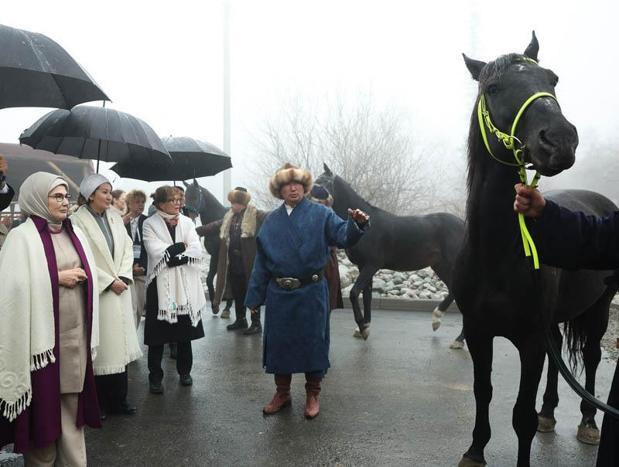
(112, 390)
(238, 286)
(184, 360)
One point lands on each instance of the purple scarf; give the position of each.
(39, 425)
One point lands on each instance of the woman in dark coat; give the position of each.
(175, 298)
(576, 241)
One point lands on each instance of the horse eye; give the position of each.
(492, 88)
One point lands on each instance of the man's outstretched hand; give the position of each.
(529, 201)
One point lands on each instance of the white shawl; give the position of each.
(179, 288)
(27, 314)
(118, 339)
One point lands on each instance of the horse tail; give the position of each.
(590, 324)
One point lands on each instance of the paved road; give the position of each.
(401, 398)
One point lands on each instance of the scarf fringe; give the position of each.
(11, 410)
(115, 369)
(42, 360)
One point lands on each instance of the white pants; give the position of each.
(138, 298)
(67, 451)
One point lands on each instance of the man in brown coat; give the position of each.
(237, 251)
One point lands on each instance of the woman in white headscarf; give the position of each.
(48, 329)
(113, 251)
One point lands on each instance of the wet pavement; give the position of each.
(401, 398)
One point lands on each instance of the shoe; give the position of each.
(127, 409)
(102, 414)
(238, 324)
(255, 328)
(225, 314)
(281, 398)
(312, 404)
(156, 388)
(186, 380)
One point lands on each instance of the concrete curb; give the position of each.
(403, 304)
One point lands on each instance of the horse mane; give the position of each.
(476, 168)
(358, 200)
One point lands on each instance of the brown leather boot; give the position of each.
(281, 398)
(312, 405)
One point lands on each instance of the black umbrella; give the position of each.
(36, 72)
(96, 133)
(191, 158)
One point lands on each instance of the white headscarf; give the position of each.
(34, 192)
(90, 184)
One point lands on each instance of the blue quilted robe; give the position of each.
(296, 323)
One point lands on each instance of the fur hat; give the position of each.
(288, 174)
(239, 195)
(319, 194)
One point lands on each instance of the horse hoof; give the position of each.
(456, 345)
(468, 462)
(588, 434)
(365, 333)
(546, 424)
(356, 333)
(362, 334)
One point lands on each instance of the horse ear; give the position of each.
(474, 66)
(185, 183)
(195, 182)
(327, 169)
(532, 48)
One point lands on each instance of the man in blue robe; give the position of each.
(288, 277)
(573, 240)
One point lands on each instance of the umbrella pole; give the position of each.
(99, 153)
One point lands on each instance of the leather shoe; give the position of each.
(127, 409)
(156, 388)
(255, 328)
(238, 324)
(186, 380)
(102, 414)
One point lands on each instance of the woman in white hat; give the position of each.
(113, 251)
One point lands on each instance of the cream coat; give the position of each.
(118, 340)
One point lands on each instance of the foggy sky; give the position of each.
(163, 62)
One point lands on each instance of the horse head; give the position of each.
(517, 97)
(326, 180)
(193, 195)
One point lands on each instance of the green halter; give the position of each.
(508, 141)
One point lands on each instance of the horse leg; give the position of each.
(524, 418)
(212, 271)
(588, 431)
(367, 303)
(546, 417)
(365, 278)
(458, 342)
(481, 354)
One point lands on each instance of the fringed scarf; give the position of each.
(179, 289)
(27, 329)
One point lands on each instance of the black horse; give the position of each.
(495, 286)
(210, 209)
(399, 243)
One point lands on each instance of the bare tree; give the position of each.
(369, 147)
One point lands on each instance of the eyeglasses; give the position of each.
(60, 197)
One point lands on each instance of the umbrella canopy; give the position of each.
(24, 161)
(191, 158)
(36, 72)
(96, 133)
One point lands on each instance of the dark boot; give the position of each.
(312, 389)
(255, 328)
(281, 398)
(238, 324)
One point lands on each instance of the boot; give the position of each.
(281, 398)
(255, 328)
(312, 405)
(238, 324)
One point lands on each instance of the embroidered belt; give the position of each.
(292, 283)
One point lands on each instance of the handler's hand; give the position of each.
(4, 166)
(359, 216)
(529, 201)
(138, 270)
(69, 278)
(253, 311)
(118, 286)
